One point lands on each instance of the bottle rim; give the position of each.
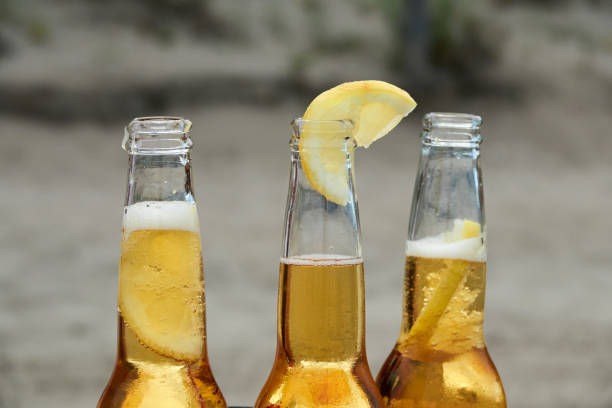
(451, 129)
(157, 135)
(451, 120)
(160, 124)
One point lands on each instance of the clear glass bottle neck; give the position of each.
(159, 178)
(448, 185)
(159, 160)
(314, 225)
(446, 248)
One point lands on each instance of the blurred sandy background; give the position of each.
(73, 73)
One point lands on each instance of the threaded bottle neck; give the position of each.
(160, 163)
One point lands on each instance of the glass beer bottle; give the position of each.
(161, 359)
(320, 356)
(440, 359)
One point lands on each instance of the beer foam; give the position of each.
(157, 215)
(322, 259)
(470, 249)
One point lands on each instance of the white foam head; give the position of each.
(156, 215)
(322, 260)
(451, 244)
(470, 249)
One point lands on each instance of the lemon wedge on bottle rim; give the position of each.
(373, 107)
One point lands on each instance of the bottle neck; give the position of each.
(448, 187)
(446, 248)
(321, 293)
(315, 226)
(159, 177)
(160, 163)
(443, 304)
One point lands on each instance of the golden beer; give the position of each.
(320, 359)
(161, 359)
(440, 359)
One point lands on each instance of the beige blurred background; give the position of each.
(73, 73)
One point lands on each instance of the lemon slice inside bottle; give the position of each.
(425, 324)
(161, 291)
(374, 108)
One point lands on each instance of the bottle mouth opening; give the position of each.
(449, 120)
(451, 129)
(329, 128)
(157, 135)
(159, 125)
